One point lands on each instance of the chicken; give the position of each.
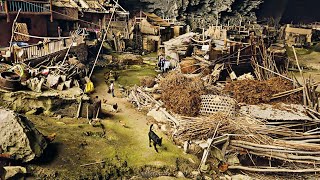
(123, 124)
(115, 107)
(51, 137)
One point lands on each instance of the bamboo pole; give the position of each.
(206, 151)
(233, 143)
(274, 170)
(303, 79)
(13, 28)
(275, 73)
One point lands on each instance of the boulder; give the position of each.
(19, 138)
(180, 175)
(130, 59)
(159, 116)
(11, 172)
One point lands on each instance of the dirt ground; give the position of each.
(120, 142)
(116, 148)
(308, 58)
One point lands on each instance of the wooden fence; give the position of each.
(25, 6)
(43, 49)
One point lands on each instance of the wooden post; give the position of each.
(203, 31)
(7, 10)
(240, 24)
(13, 30)
(51, 17)
(79, 108)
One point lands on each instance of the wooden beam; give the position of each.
(273, 170)
(51, 17)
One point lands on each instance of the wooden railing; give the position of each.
(25, 6)
(43, 49)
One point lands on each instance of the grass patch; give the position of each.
(133, 74)
(299, 51)
(154, 54)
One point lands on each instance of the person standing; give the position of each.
(160, 59)
(96, 107)
(112, 88)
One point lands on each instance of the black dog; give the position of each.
(156, 140)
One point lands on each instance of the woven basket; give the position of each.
(211, 104)
(21, 28)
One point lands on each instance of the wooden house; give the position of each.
(65, 15)
(150, 31)
(92, 11)
(298, 36)
(35, 16)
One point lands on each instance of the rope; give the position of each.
(41, 37)
(104, 38)
(77, 32)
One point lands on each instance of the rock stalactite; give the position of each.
(199, 13)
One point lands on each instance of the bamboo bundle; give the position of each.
(142, 99)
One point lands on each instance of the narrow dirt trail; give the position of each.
(134, 148)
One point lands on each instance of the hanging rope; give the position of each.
(104, 38)
(41, 37)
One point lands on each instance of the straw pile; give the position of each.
(181, 94)
(189, 66)
(192, 128)
(148, 82)
(255, 92)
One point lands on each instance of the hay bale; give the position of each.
(255, 92)
(181, 94)
(148, 82)
(189, 66)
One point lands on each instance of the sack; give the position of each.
(109, 91)
(89, 87)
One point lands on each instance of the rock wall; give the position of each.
(199, 12)
(196, 13)
(50, 103)
(19, 138)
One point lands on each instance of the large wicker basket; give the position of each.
(211, 104)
